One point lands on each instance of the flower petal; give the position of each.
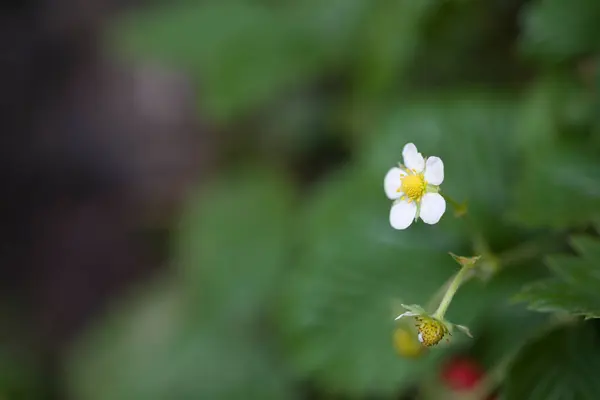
(433, 207)
(406, 314)
(391, 183)
(412, 158)
(402, 214)
(434, 171)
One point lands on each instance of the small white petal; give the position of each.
(433, 207)
(391, 183)
(412, 158)
(406, 314)
(402, 214)
(420, 336)
(434, 171)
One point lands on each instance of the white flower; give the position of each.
(414, 187)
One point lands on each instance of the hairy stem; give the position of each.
(458, 280)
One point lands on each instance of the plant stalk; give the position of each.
(458, 280)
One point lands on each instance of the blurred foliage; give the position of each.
(21, 377)
(285, 287)
(573, 288)
(557, 365)
(554, 33)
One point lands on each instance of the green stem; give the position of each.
(450, 200)
(458, 280)
(436, 298)
(455, 204)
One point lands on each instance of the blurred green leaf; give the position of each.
(240, 53)
(559, 365)
(538, 123)
(387, 47)
(235, 243)
(455, 48)
(560, 187)
(147, 350)
(555, 106)
(208, 333)
(120, 357)
(21, 376)
(574, 287)
(335, 25)
(554, 32)
(505, 329)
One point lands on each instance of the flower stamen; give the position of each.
(414, 186)
(431, 331)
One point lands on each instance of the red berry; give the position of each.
(462, 374)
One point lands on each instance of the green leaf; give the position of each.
(234, 244)
(538, 123)
(203, 335)
(455, 48)
(559, 365)
(22, 373)
(146, 349)
(241, 54)
(555, 32)
(389, 43)
(505, 329)
(574, 286)
(558, 188)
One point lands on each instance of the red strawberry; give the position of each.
(462, 374)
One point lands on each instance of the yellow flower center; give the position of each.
(431, 331)
(413, 186)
